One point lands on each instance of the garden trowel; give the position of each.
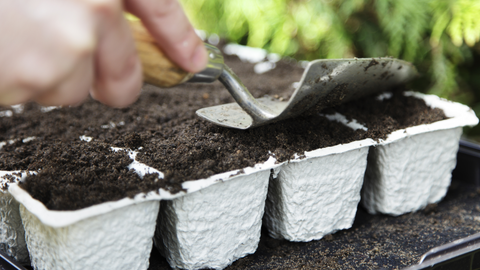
(324, 83)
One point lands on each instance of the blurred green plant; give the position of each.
(441, 37)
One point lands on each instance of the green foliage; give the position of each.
(405, 23)
(464, 24)
(441, 37)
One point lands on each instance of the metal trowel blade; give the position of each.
(325, 83)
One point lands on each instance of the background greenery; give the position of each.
(441, 37)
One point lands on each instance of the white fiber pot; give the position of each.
(113, 235)
(412, 167)
(12, 234)
(317, 195)
(214, 226)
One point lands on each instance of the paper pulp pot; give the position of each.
(317, 195)
(12, 235)
(412, 167)
(214, 226)
(113, 235)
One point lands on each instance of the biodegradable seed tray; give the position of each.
(217, 220)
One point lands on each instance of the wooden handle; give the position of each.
(157, 68)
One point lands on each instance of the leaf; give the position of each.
(439, 27)
(464, 25)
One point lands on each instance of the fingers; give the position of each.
(118, 73)
(73, 89)
(169, 25)
(53, 51)
(38, 53)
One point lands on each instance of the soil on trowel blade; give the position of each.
(163, 128)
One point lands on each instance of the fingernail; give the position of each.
(199, 58)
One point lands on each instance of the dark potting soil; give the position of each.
(77, 174)
(199, 143)
(163, 127)
(382, 117)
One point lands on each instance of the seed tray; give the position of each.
(186, 237)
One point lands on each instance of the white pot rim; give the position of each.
(459, 115)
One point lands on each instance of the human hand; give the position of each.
(57, 52)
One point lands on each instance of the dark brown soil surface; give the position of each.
(163, 127)
(385, 116)
(197, 143)
(374, 241)
(211, 149)
(77, 174)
